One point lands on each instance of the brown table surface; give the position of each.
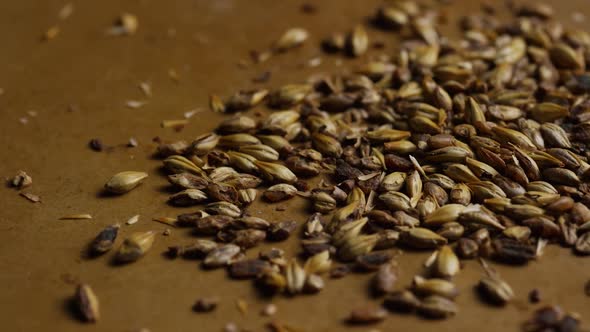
(203, 41)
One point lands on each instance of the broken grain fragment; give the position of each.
(21, 180)
(31, 197)
(79, 216)
(206, 304)
(125, 24)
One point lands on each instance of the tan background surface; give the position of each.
(39, 253)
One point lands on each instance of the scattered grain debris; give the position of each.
(173, 75)
(314, 62)
(308, 8)
(578, 17)
(125, 24)
(167, 232)
(260, 56)
(191, 113)
(535, 296)
(170, 221)
(291, 38)
(31, 197)
(262, 77)
(21, 180)
(206, 304)
(146, 88)
(87, 303)
(51, 33)
(132, 220)
(73, 108)
(269, 310)
(96, 144)
(242, 306)
(231, 327)
(135, 104)
(216, 104)
(132, 142)
(66, 11)
(69, 279)
(79, 216)
(175, 124)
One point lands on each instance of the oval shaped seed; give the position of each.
(222, 256)
(356, 246)
(467, 248)
(555, 136)
(444, 214)
(561, 176)
(435, 286)
(323, 202)
(565, 57)
(187, 197)
(401, 301)
(289, 95)
(87, 303)
(295, 276)
(451, 231)
(237, 124)
(318, 263)
(180, 164)
(224, 208)
(495, 290)
(548, 112)
(422, 238)
(247, 196)
(237, 140)
(248, 268)
(290, 39)
(437, 307)
(275, 172)
(105, 240)
(280, 192)
(395, 201)
(124, 182)
(385, 279)
(358, 41)
(447, 264)
(367, 314)
(260, 152)
(135, 246)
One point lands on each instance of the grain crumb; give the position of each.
(31, 197)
